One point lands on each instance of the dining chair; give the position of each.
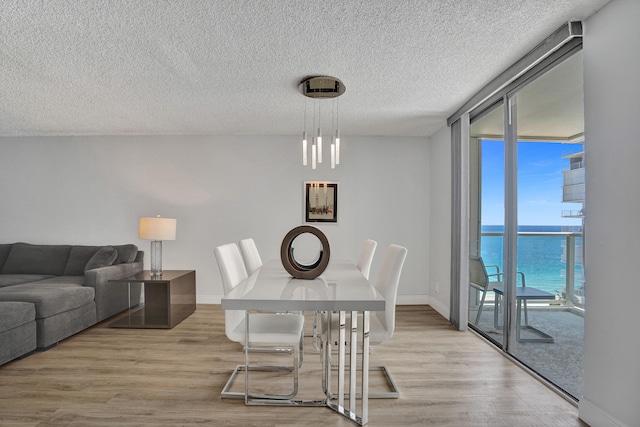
(250, 254)
(366, 257)
(382, 323)
(273, 332)
(364, 265)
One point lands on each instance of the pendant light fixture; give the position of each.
(320, 88)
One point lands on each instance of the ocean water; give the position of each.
(540, 257)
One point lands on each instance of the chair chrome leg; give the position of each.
(257, 398)
(280, 350)
(394, 392)
(226, 394)
(316, 345)
(254, 398)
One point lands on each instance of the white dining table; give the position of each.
(340, 288)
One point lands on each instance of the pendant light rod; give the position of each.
(304, 137)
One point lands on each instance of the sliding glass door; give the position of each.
(550, 196)
(526, 223)
(487, 219)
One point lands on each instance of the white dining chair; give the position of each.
(366, 257)
(250, 254)
(364, 265)
(382, 323)
(267, 331)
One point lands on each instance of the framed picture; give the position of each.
(321, 201)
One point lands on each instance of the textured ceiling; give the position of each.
(209, 67)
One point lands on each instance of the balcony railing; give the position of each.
(573, 193)
(571, 256)
(573, 214)
(575, 165)
(573, 177)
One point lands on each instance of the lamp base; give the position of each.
(156, 258)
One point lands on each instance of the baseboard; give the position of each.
(439, 307)
(412, 299)
(208, 299)
(596, 416)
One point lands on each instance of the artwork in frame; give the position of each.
(321, 201)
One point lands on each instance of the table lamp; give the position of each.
(157, 229)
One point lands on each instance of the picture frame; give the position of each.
(321, 201)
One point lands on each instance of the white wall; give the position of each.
(440, 227)
(612, 129)
(92, 190)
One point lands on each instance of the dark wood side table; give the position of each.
(168, 299)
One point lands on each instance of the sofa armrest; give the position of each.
(112, 298)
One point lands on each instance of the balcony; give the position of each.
(551, 261)
(573, 214)
(573, 177)
(573, 193)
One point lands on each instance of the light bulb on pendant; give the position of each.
(319, 146)
(314, 153)
(337, 146)
(304, 148)
(333, 154)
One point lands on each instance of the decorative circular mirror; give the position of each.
(297, 267)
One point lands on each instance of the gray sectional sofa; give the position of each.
(50, 292)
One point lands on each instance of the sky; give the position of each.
(540, 166)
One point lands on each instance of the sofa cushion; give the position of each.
(103, 258)
(126, 253)
(50, 298)
(25, 258)
(78, 258)
(18, 335)
(61, 281)
(16, 279)
(14, 314)
(5, 248)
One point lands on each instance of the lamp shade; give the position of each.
(156, 228)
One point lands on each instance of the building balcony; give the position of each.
(573, 193)
(573, 177)
(573, 214)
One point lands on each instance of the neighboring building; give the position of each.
(573, 189)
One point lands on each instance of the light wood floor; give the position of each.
(142, 377)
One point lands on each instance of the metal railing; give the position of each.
(571, 256)
(574, 166)
(572, 214)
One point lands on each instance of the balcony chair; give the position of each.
(484, 282)
(250, 254)
(382, 324)
(279, 333)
